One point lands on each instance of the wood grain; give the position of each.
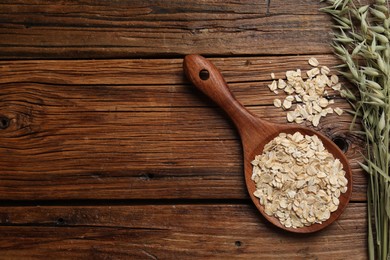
(126, 159)
(105, 29)
(151, 71)
(107, 135)
(178, 231)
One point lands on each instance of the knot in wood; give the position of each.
(4, 122)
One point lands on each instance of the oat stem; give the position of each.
(361, 41)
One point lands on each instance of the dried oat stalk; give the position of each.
(361, 41)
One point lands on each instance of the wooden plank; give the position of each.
(130, 141)
(171, 231)
(139, 28)
(150, 71)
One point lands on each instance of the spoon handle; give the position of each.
(207, 78)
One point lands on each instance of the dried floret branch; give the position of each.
(361, 41)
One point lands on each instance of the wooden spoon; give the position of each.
(256, 132)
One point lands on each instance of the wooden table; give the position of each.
(108, 152)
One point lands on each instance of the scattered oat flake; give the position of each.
(313, 62)
(291, 116)
(317, 107)
(338, 111)
(313, 72)
(329, 110)
(307, 98)
(273, 75)
(290, 98)
(316, 119)
(287, 104)
(325, 70)
(277, 102)
(324, 113)
(337, 87)
(273, 85)
(281, 84)
(334, 79)
(323, 102)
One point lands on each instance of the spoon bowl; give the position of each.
(255, 133)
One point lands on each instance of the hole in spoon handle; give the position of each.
(204, 74)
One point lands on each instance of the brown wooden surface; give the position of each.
(181, 231)
(127, 159)
(139, 28)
